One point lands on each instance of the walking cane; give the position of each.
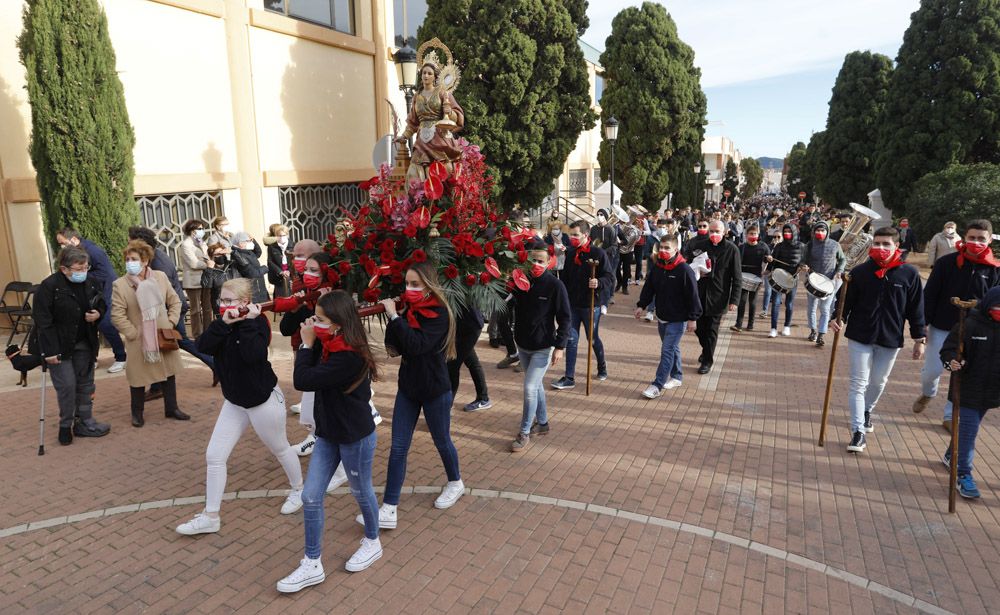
(956, 396)
(833, 359)
(590, 338)
(41, 416)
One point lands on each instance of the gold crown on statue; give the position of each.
(448, 73)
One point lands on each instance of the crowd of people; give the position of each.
(690, 269)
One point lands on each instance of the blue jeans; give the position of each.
(437, 414)
(535, 363)
(930, 373)
(870, 368)
(776, 299)
(968, 428)
(670, 352)
(358, 458)
(825, 308)
(580, 317)
(767, 290)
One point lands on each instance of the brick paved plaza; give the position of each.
(714, 498)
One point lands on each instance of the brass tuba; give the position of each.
(855, 242)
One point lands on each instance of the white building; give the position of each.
(716, 152)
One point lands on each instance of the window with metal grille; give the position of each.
(311, 212)
(336, 14)
(577, 185)
(165, 214)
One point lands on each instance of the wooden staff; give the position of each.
(833, 359)
(590, 338)
(956, 396)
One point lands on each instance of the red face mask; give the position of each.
(576, 242)
(299, 264)
(976, 249)
(413, 295)
(665, 256)
(753, 239)
(537, 269)
(225, 308)
(995, 313)
(311, 280)
(715, 238)
(703, 231)
(819, 235)
(323, 331)
(904, 225)
(787, 236)
(880, 255)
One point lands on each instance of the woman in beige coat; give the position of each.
(143, 301)
(194, 259)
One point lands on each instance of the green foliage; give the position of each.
(81, 138)
(846, 170)
(654, 90)
(731, 180)
(959, 193)
(753, 177)
(943, 104)
(525, 89)
(796, 177)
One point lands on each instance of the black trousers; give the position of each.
(746, 297)
(506, 331)
(465, 354)
(707, 331)
(624, 272)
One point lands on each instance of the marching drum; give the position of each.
(751, 283)
(819, 285)
(781, 281)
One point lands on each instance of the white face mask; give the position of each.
(283, 240)
(199, 234)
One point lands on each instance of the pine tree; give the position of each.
(731, 180)
(81, 138)
(798, 174)
(846, 169)
(525, 89)
(654, 90)
(753, 177)
(943, 104)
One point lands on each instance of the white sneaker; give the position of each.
(650, 317)
(292, 503)
(604, 310)
(652, 392)
(673, 383)
(296, 408)
(386, 517)
(309, 572)
(786, 331)
(338, 480)
(305, 447)
(450, 494)
(116, 367)
(365, 556)
(201, 524)
(375, 415)
(773, 333)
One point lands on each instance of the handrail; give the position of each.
(568, 209)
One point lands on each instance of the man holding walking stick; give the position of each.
(973, 355)
(579, 284)
(883, 293)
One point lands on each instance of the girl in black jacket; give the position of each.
(239, 345)
(423, 332)
(335, 362)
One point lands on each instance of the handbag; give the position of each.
(168, 339)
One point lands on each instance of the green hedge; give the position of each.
(959, 193)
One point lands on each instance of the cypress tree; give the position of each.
(524, 88)
(654, 90)
(753, 177)
(731, 180)
(81, 138)
(943, 104)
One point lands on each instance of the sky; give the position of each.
(767, 67)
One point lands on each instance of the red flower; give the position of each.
(368, 184)
(388, 245)
(370, 267)
(492, 267)
(410, 231)
(488, 247)
(363, 260)
(418, 256)
(484, 278)
(332, 277)
(364, 211)
(475, 249)
(433, 189)
(437, 171)
(348, 245)
(396, 278)
(451, 272)
(470, 280)
(520, 280)
(522, 256)
(371, 295)
(345, 267)
(334, 251)
(332, 238)
(396, 267)
(422, 217)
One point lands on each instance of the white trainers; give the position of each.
(773, 333)
(338, 480)
(116, 367)
(450, 494)
(309, 572)
(652, 392)
(650, 317)
(296, 408)
(786, 331)
(292, 503)
(375, 415)
(673, 383)
(604, 310)
(365, 556)
(305, 447)
(201, 524)
(386, 517)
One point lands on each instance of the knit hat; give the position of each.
(240, 237)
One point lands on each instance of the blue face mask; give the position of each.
(78, 277)
(133, 267)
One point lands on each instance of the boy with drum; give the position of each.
(752, 255)
(785, 258)
(824, 261)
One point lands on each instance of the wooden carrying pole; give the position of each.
(956, 398)
(590, 336)
(841, 298)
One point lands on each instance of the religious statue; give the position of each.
(435, 115)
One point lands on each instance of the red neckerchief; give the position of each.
(584, 249)
(670, 264)
(421, 307)
(986, 259)
(335, 344)
(894, 261)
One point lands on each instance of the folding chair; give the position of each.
(19, 307)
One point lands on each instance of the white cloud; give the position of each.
(737, 41)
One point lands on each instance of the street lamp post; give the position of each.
(406, 71)
(611, 134)
(697, 177)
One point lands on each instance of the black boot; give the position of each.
(170, 409)
(138, 405)
(65, 436)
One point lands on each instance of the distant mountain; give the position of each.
(771, 163)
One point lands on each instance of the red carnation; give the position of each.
(410, 231)
(371, 295)
(418, 256)
(451, 272)
(484, 278)
(333, 277)
(332, 238)
(345, 267)
(364, 211)
(488, 247)
(348, 244)
(333, 251)
(388, 245)
(470, 280)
